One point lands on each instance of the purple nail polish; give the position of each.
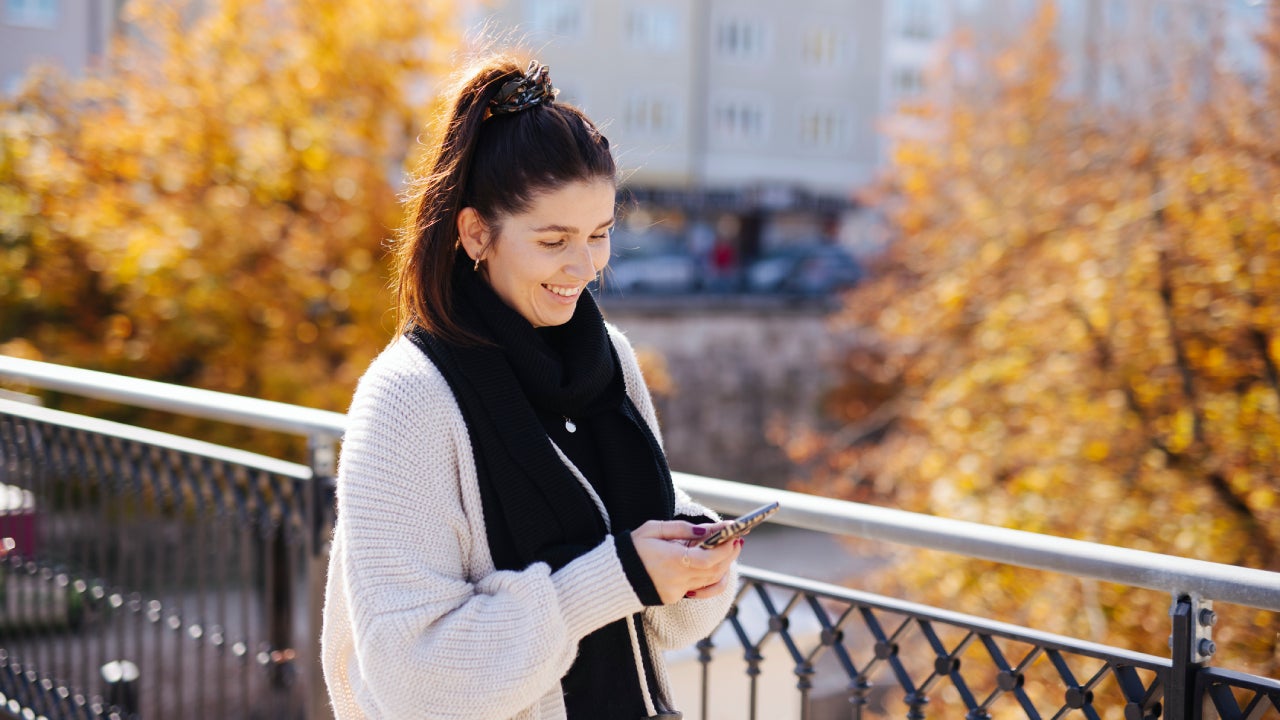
(699, 530)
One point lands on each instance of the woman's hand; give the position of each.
(676, 565)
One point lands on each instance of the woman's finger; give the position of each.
(718, 582)
(670, 530)
(709, 591)
(712, 577)
(679, 567)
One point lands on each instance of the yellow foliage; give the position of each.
(1078, 326)
(209, 207)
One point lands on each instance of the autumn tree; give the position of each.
(1075, 332)
(209, 205)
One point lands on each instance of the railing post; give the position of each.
(323, 452)
(1192, 645)
(859, 689)
(298, 591)
(704, 659)
(280, 602)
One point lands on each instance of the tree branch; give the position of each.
(1106, 361)
(1261, 341)
(1179, 352)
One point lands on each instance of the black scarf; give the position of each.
(535, 509)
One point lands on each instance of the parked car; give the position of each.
(804, 270)
(30, 600)
(654, 269)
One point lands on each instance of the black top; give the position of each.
(514, 392)
(595, 689)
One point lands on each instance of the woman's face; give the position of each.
(543, 258)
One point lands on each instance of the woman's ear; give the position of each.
(472, 233)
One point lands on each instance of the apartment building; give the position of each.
(1123, 52)
(748, 118)
(759, 119)
(65, 33)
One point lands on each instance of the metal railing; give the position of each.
(1182, 686)
(201, 567)
(161, 572)
(156, 576)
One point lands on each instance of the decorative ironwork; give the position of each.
(1239, 696)
(895, 658)
(151, 576)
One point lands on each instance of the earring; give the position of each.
(476, 267)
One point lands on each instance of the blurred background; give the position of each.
(1011, 261)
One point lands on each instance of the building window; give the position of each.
(822, 47)
(1117, 14)
(651, 28)
(561, 18)
(648, 114)
(739, 119)
(906, 82)
(741, 39)
(823, 128)
(31, 13)
(917, 20)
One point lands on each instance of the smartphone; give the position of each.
(739, 527)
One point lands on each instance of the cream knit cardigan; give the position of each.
(417, 622)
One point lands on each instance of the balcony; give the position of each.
(153, 576)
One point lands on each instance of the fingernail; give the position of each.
(690, 594)
(699, 530)
(739, 542)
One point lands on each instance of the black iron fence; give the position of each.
(852, 654)
(152, 576)
(858, 655)
(147, 575)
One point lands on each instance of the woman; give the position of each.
(509, 543)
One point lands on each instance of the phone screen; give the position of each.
(740, 527)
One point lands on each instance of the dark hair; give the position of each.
(497, 164)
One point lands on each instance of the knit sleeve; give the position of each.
(687, 621)
(436, 632)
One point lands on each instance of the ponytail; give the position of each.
(495, 163)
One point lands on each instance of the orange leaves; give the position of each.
(1081, 316)
(211, 207)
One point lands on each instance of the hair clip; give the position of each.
(522, 93)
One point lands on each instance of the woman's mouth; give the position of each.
(567, 292)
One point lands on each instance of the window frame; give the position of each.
(740, 105)
(642, 103)
(759, 51)
(536, 12)
(39, 14)
(662, 33)
(839, 126)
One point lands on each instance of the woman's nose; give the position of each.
(582, 265)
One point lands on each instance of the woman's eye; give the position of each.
(551, 243)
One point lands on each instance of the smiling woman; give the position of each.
(509, 543)
(539, 261)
